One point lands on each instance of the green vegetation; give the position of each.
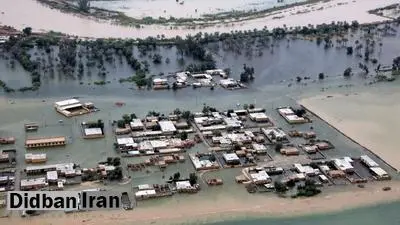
(280, 187)
(42, 55)
(84, 5)
(347, 72)
(192, 179)
(183, 135)
(27, 31)
(308, 189)
(4, 86)
(101, 82)
(247, 74)
(139, 78)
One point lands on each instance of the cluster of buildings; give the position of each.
(229, 120)
(6, 182)
(275, 135)
(153, 126)
(53, 174)
(185, 78)
(147, 191)
(204, 161)
(290, 116)
(377, 171)
(150, 147)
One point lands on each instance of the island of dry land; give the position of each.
(368, 118)
(194, 209)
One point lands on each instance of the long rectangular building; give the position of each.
(35, 158)
(45, 142)
(64, 168)
(29, 184)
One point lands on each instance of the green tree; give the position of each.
(347, 72)
(186, 115)
(133, 116)
(84, 5)
(247, 74)
(193, 179)
(177, 111)
(280, 187)
(27, 31)
(278, 147)
(126, 118)
(176, 177)
(184, 136)
(121, 123)
(116, 161)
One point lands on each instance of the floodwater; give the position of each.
(384, 214)
(24, 13)
(276, 68)
(274, 71)
(185, 8)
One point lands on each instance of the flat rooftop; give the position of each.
(44, 140)
(66, 102)
(93, 131)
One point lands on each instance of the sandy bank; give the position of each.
(23, 13)
(227, 207)
(368, 118)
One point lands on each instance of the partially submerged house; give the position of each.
(73, 107)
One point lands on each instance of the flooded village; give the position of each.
(165, 120)
(281, 150)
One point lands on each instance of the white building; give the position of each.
(167, 127)
(52, 176)
(286, 111)
(323, 178)
(278, 133)
(126, 143)
(28, 184)
(158, 144)
(145, 194)
(93, 131)
(368, 161)
(136, 124)
(259, 117)
(259, 148)
(231, 158)
(307, 170)
(342, 164)
(290, 116)
(160, 81)
(181, 77)
(232, 122)
(35, 158)
(261, 177)
(67, 102)
(183, 185)
(379, 173)
(219, 72)
(228, 83)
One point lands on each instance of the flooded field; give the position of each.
(184, 9)
(41, 17)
